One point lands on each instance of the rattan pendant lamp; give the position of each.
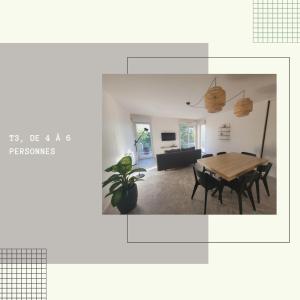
(215, 98)
(243, 106)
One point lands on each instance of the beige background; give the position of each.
(255, 271)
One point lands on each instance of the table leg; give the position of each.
(240, 203)
(221, 187)
(257, 190)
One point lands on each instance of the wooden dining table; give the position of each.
(231, 165)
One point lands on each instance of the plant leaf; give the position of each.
(114, 186)
(112, 178)
(124, 165)
(110, 193)
(111, 168)
(117, 196)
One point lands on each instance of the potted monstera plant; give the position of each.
(123, 188)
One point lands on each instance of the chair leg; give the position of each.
(205, 201)
(194, 190)
(245, 194)
(240, 203)
(264, 180)
(257, 190)
(251, 198)
(221, 187)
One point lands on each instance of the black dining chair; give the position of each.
(248, 153)
(263, 171)
(205, 156)
(243, 185)
(208, 182)
(220, 153)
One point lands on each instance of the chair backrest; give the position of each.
(206, 180)
(220, 153)
(195, 173)
(207, 155)
(247, 180)
(248, 153)
(264, 169)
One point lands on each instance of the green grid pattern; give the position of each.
(23, 274)
(276, 21)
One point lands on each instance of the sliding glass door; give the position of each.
(143, 140)
(187, 133)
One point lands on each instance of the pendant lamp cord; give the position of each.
(214, 81)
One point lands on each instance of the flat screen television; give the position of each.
(168, 136)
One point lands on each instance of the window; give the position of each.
(187, 133)
(143, 139)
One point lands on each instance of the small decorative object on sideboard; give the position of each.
(169, 147)
(224, 132)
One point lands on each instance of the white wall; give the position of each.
(246, 132)
(117, 131)
(160, 125)
(140, 118)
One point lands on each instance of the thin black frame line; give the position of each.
(289, 149)
(208, 243)
(193, 57)
(213, 242)
(289, 135)
(130, 57)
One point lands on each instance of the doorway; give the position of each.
(143, 141)
(187, 132)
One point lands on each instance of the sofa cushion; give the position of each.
(172, 150)
(177, 159)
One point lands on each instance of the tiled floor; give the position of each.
(147, 164)
(169, 192)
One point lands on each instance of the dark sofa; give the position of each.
(178, 158)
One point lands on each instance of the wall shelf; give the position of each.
(224, 132)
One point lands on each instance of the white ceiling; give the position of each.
(166, 95)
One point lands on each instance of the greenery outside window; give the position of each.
(187, 134)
